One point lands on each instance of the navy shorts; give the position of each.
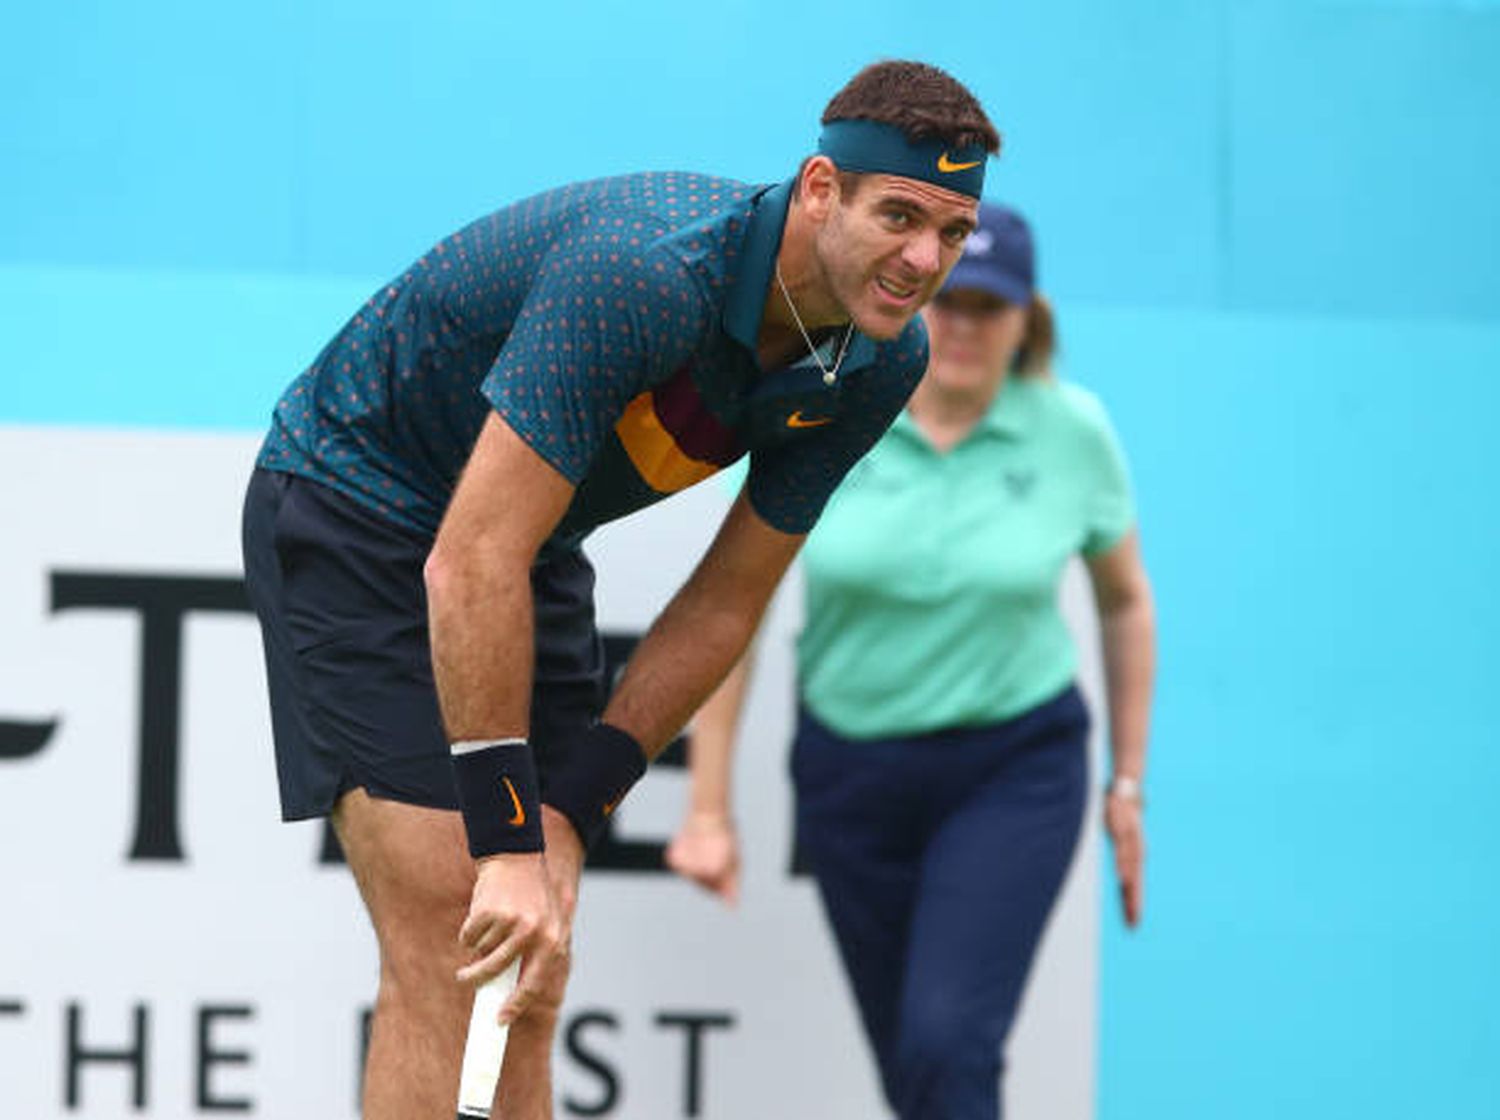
(343, 615)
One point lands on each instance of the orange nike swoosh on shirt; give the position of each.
(520, 818)
(797, 420)
(611, 806)
(947, 166)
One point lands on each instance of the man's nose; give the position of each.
(923, 253)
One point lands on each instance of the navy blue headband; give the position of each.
(874, 147)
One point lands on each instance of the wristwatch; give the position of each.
(1122, 785)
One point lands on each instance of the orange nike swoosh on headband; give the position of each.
(520, 818)
(947, 166)
(796, 420)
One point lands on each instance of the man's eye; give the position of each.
(956, 236)
(897, 219)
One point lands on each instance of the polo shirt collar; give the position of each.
(1009, 414)
(745, 306)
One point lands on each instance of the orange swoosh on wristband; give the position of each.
(520, 818)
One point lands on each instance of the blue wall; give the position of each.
(1272, 232)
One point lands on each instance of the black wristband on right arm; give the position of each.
(585, 776)
(497, 791)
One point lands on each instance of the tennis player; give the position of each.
(412, 528)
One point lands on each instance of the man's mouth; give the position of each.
(901, 293)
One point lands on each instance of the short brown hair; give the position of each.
(921, 100)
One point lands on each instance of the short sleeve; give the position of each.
(1110, 507)
(590, 337)
(791, 483)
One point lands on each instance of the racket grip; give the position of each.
(484, 1051)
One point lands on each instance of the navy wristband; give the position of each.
(585, 776)
(497, 791)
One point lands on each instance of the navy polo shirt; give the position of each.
(612, 323)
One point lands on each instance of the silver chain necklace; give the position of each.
(829, 375)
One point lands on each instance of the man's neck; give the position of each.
(806, 296)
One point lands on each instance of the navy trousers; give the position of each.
(938, 858)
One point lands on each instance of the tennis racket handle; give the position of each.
(485, 1049)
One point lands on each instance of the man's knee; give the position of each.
(419, 962)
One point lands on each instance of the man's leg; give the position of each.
(415, 875)
(340, 599)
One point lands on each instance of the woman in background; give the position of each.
(940, 761)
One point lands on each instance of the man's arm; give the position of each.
(480, 617)
(479, 584)
(704, 629)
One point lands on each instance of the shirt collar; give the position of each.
(1009, 415)
(746, 304)
(1010, 412)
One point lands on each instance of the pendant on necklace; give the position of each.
(830, 376)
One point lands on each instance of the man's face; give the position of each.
(886, 251)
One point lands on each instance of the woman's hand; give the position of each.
(707, 851)
(1127, 832)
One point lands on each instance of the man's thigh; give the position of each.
(414, 873)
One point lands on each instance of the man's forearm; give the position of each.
(480, 619)
(686, 654)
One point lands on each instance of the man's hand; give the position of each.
(523, 906)
(564, 857)
(707, 851)
(1122, 820)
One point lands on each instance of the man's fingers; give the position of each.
(472, 928)
(493, 963)
(522, 997)
(540, 970)
(483, 928)
(492, 935)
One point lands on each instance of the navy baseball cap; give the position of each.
(998, 258)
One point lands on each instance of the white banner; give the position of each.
(169, 949)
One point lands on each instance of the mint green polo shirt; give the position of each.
(932, 579)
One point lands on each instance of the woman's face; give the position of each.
(973, 337)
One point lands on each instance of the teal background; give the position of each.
(1272, 234)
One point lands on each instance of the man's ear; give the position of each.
(819, 187)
